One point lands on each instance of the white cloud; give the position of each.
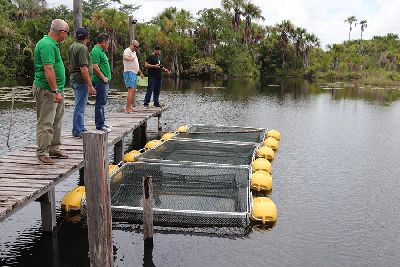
(325, 18)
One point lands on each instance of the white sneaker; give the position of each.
(105, 129)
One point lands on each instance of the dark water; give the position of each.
(336, 180)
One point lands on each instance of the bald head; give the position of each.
(134, 45)
(59, 25)
(59, 30)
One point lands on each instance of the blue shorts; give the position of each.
(130, 79)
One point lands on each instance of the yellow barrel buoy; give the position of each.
(263, 210)
(275, 134)
(266, 152)
(130, 156)
(272, 143)
(72, 200)
(113, 169)
(167, 136)
(182, 129)
(261, 164)
(261, 181)
(152, 144)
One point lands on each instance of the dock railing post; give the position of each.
(119, 151)
(48, 211)
(148, 210)
(159, 128)
(98, 199)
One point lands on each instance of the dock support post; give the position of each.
(159, 125)
(148, 210)
(143, 134)
(48, 210)
(98, 199)
(119, 151)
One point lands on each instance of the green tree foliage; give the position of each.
(218, 42)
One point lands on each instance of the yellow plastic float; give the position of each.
(275, 134)
(266, 152)
(261, 181)
(167, 136)
(113, 169)
(131, 156)
(152, 144)
(263, 210)
(272, 143)
(182, 129)
(261, 164)
(72, 200)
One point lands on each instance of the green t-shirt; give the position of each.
(47, 52)
(79, 57)
(100, 58)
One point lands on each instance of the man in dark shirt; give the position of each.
(81, 72)
(154, 66)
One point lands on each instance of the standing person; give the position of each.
(101, 79)
(48, 90)
(131, 70)
(81, 72)
(154, 66)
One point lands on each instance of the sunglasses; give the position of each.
(67, 32)
(136, 46)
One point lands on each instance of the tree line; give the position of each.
(213, 43)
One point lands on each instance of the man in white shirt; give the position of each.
(131, 70)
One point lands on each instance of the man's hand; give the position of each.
(141, 75)
(105, 80)
(91, 89)
(57, 97)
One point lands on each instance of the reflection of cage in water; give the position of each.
(224, 133)
(184, 194)
(201, 151)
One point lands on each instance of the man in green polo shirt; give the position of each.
(101, 79)
(48, 90)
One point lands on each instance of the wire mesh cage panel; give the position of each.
(183, 194)
(202, 151)
(224, 133)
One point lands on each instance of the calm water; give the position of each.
(336, 180)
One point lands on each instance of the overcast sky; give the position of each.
(325, 18)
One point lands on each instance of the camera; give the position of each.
(161, 66)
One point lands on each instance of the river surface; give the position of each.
(336, 179)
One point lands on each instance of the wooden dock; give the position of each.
(23, 179)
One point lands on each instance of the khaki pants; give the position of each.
(49, 121)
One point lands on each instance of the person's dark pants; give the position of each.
(101, 101)
(153, 88)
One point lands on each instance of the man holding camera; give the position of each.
(154, 66)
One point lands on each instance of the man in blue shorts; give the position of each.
(131, 70)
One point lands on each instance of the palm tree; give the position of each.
(364, 25)
(251, 11)
(237, 7)
(310, 41)
(350, 21)
(285, 28)
(110, 20)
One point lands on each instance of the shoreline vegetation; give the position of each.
(214, 43)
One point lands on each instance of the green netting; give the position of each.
(224, 133)
(202, 151)
(184, 194)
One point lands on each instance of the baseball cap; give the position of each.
(81, 33)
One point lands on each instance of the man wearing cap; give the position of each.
(48, 90)
(81, 72)
(101, 79)
(131, 70)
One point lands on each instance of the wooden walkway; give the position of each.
(23, 179)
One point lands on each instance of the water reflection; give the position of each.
(234, 90)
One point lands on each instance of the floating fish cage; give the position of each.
(201, 151)
(224, 133)
(183, 194)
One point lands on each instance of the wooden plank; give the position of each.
(24, 176)
(98, 199)
(148, 209)
(48, 211)
(22, 181)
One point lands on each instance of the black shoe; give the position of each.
(157, 105)
(146, 105)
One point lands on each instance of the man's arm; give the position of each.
(51, 79)
(97, 70)
(151, 66)
(86, 77)
(128, 57)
